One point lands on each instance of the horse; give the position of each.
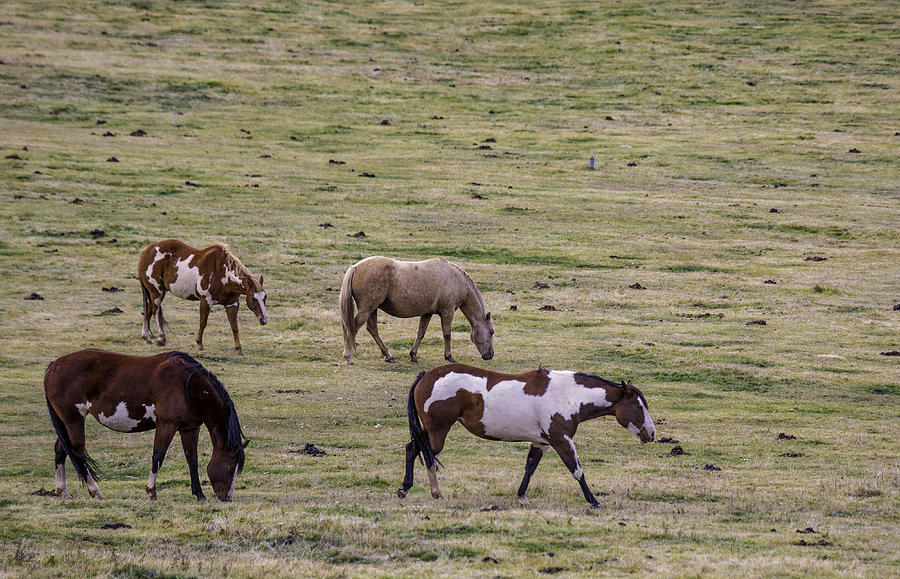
(407, 289)
(171, 392)
(543, 407)
(215, 277)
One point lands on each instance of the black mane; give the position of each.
(617, 385)
(233, 434)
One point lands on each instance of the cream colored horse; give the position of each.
(407, 289)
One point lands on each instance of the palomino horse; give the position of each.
(170, 392)
(543, 407)
(407, 289)
(212, 276)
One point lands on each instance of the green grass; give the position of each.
(722, 137)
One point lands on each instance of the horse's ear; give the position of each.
(246, 443)
(260, 281)
(487, 316)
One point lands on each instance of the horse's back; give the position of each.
(92, 368)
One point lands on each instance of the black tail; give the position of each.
(416, 433)
(83, 466)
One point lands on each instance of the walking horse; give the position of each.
(406, 289)
(543, 407)
(212, 276)
(171, 392)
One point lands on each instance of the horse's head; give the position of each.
(256, 299)
(482, 336)
(632, 413)
(223, 469)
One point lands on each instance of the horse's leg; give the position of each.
(410, 465)
(60, 461)
(423, 324)
(161, 440)
(204, 316)
(232, 312)
(565, 448)
(76, 437)
(160, 320)
(437, 434)
(535, 454)
(189, 444)
(149, 310)
(372, 326)
(446, 322)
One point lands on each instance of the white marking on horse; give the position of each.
(159, 255)
(151, 482)
(513, 415)
(230, 275)
(119, 420)
(150, 412)
(233, 481)
(578, 472)
(188, 281)
(260, 299)
(84, 407)
(648, 422)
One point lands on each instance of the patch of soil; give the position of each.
(677, 451)
(815, 258)
(108, 134)
(783, 436)
(807, 531)
(114, 310)
(367, 174)
(769, 282)
(513, 308)
(97, 233)
(711, 467)
(138, 133)
(42, 492)
(541, 285)
(854, 150)
(891, 353)
(547, 308)
(358, 235)
(112, 289)
(491, 508)
(191, 184)
(756, 323)
(489, 560)
(897, 307)
(309, 449)
(112, 160)
(636, 286)
(631, 164)
(116, 526)
(35, 296)
(478, 196)
(667, 440)
(791, 454)
(551, 570)
(336, 162)
(326, 225)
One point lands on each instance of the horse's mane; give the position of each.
(233, 434)
(471, 284)
(611, 383)
(233, 263)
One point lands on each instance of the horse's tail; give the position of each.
(348, 317)
(146, 301)
(84, 466)
(416, 433)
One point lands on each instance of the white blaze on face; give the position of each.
(647, 426)
(84, 407)
(260, 298)
(120, 420)
(233, 481)
(510, 413)
(188, 281)
(159, 255)
(150, 412)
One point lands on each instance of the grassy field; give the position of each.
(735, 253)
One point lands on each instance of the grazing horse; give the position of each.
(543, 407)
(212, 276)
(407, 289)
(170, 392)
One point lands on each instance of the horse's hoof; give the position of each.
(199, 346)
(99, 496)
(239, 351)
(598, 506)
(413, 359)
(160, 341)
(450, 359)
(524, 501)
(437, 495)
(389, 359)
(401, 493)
(63, 494)
(349, 361)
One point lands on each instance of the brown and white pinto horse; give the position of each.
(406, 289)
(170, 392)
(543, 407)
(212, 276)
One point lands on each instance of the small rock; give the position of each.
(769, 282)
(191, 184)
(711, 467)
(807, 531)
(138, 133)
(385, 122)
(335, 162)
(489, 560)
(891, 353)
(491, 508)
(756, 323)
(791, 454)
(815, 258)
(358, 235)
(112, 160)
(116, 526)
(783, 436)
(854, 150)
(541, 285)
(326, 225)
(367, 174)
(112, 289)
(513, 308)
(97, 233)
(667, 440)
(35, 296)
(773, 210)
(547, 308)
(678, 451)
(636, 286)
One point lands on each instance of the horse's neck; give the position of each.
(473, 306)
